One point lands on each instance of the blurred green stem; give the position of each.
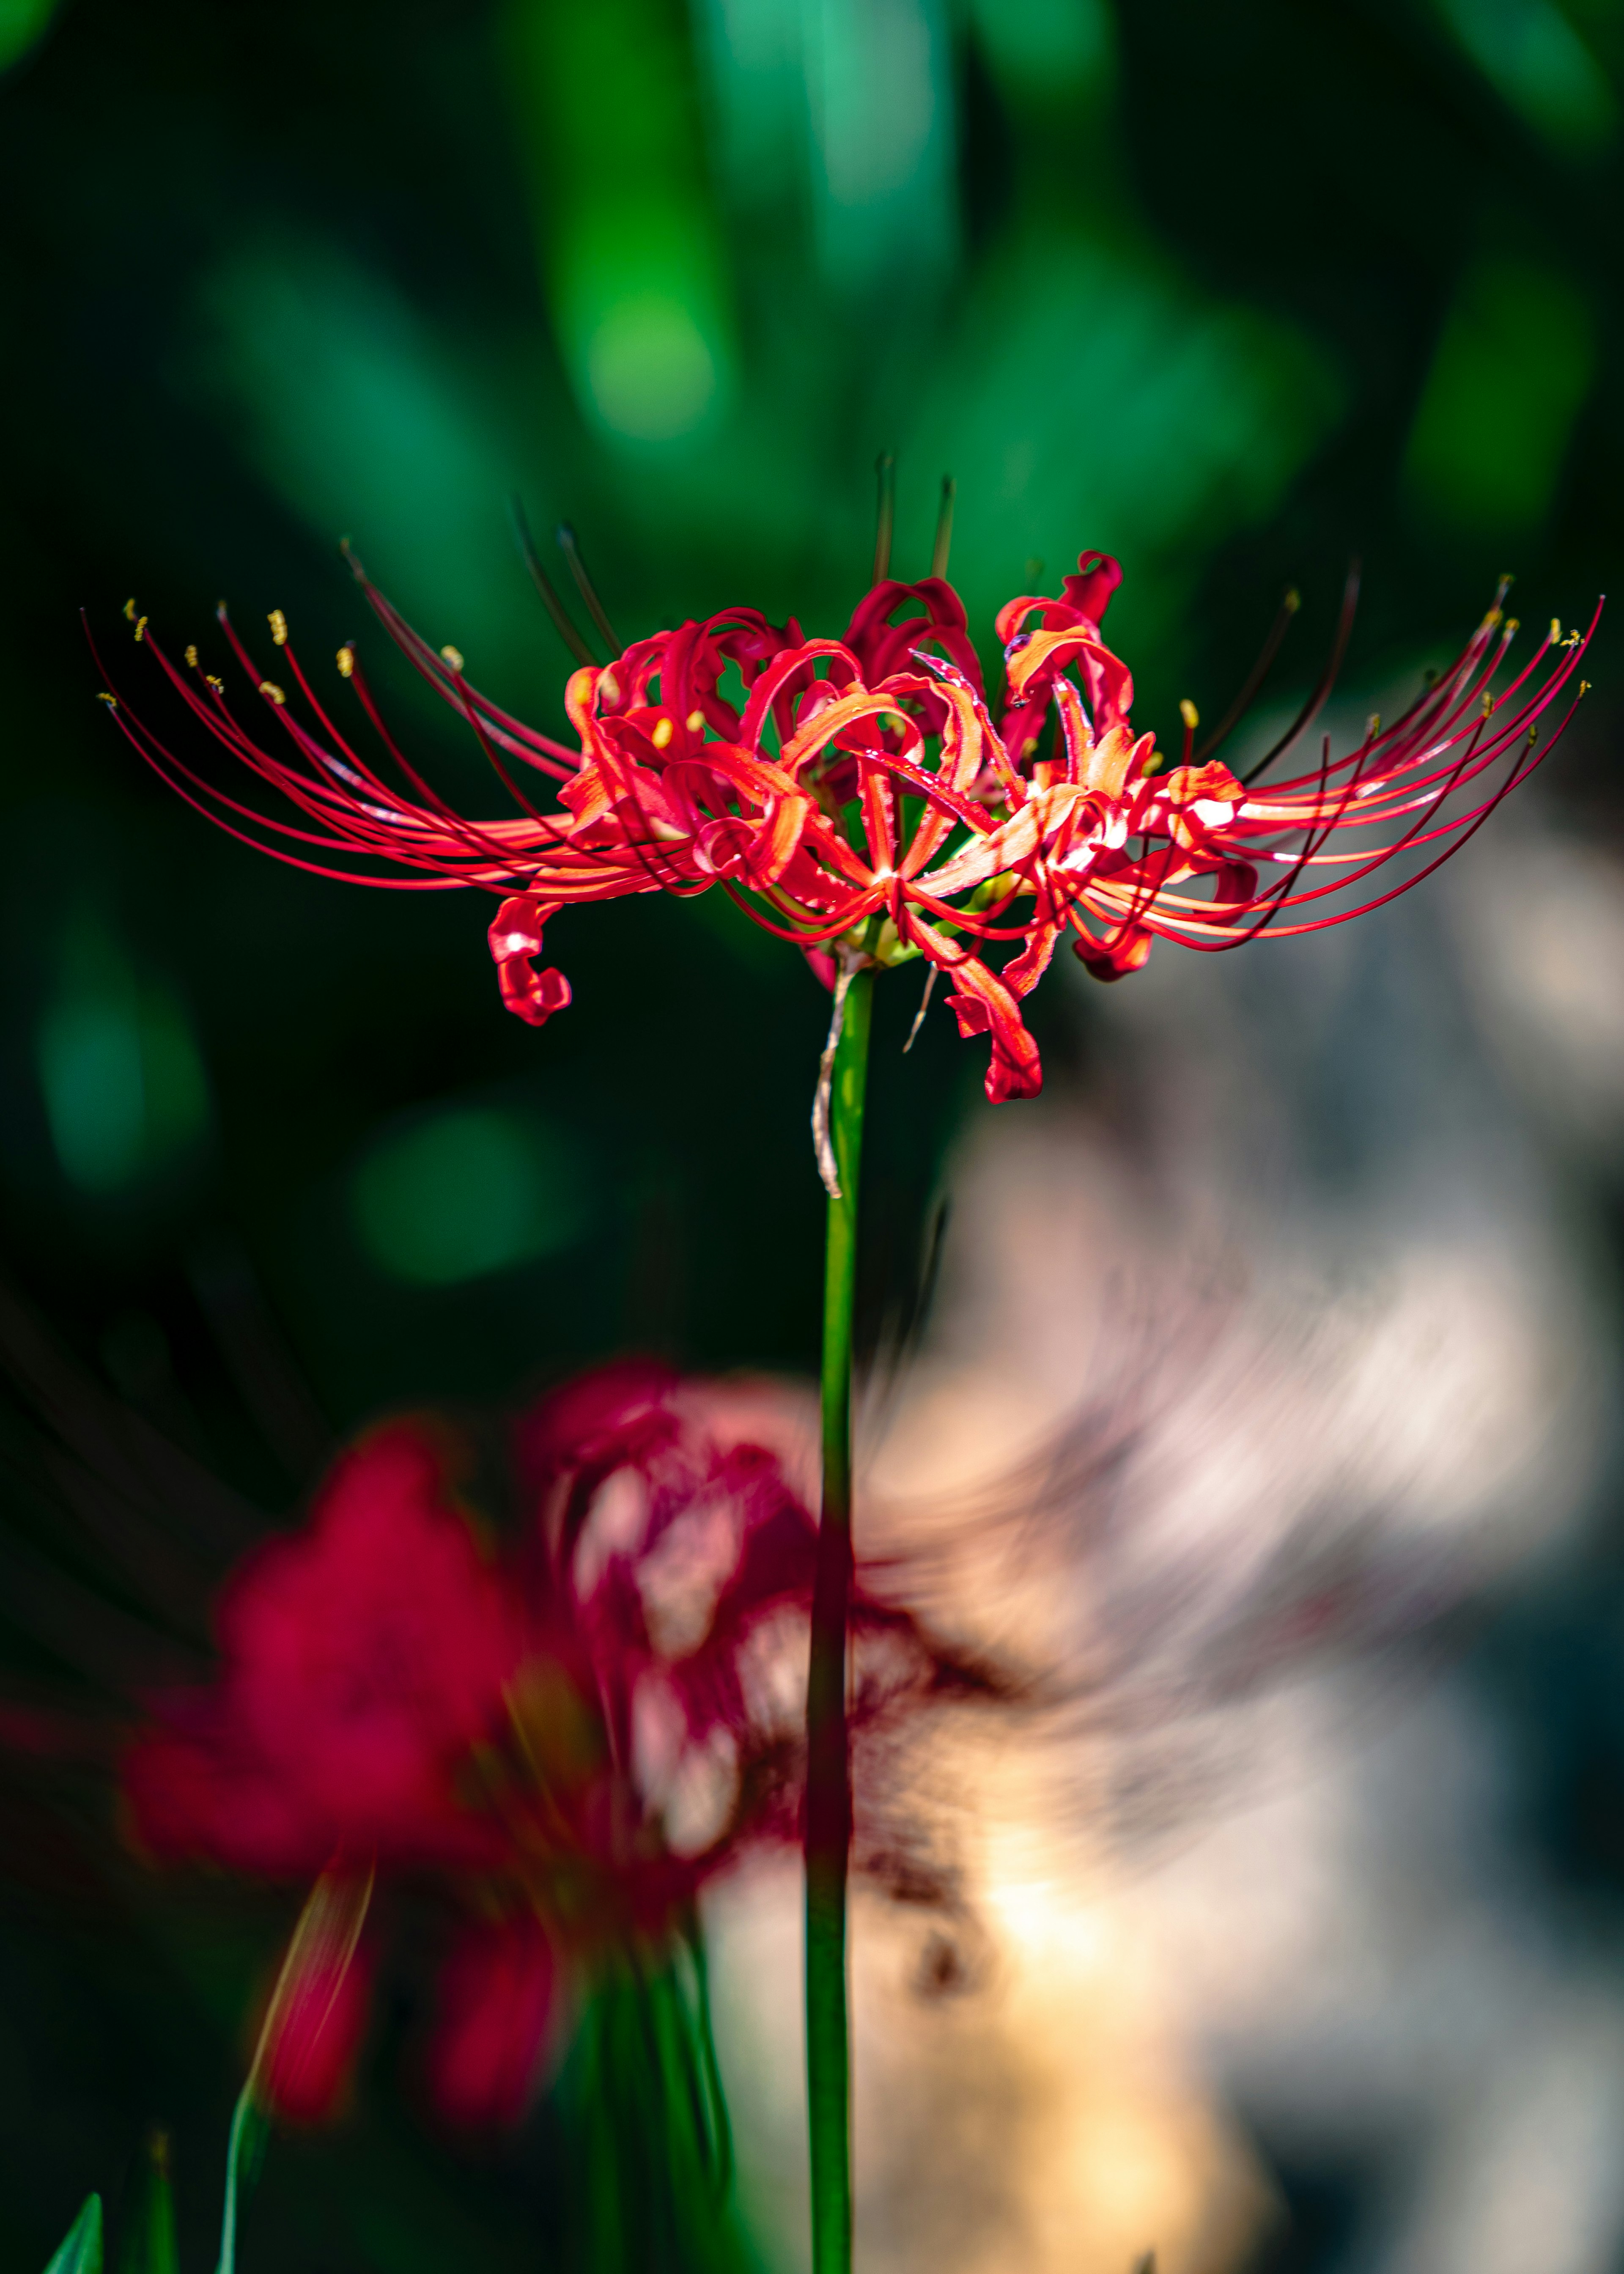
(239, 2151)
(829, 1773)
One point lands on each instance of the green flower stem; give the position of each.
(242, 2155)
(829, 1772)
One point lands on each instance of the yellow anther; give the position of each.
(1028, 746)
(191, 656)
(453, 656)
(1556, 631)
(1373, 725)
(278, 623)
(141, 630)
(271, 691)
(129, 611)
(1491, 619)
(1585, 687)
(218, 685)
(1292, 602)
(1488, 703)
(663, 732)
(110, 700)
(1513, 624)
(346, 659)
(1188, 712)
(695, 722)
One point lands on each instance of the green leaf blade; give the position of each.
(81, 2248)
(149, 2246)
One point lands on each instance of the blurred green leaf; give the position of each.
(757, 100)
(1104, 402)
(1531, 54)
(468, 1191)
(642, 2099)
(149, 2246)
(119, 1067)
(1050, 50)
(1512, 370)
(879, 77)
(844, 107)
(355, 414)
(22, 23)
(631, 255)
(81, 2249)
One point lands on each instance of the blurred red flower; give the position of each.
(364, 1657)
(855, 796)
(496, 1994)
(572, 1734)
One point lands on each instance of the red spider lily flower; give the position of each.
(572, 1735)
(855, 796)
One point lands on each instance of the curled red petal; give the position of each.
(983, 1005)
(532, 995)
(1089, 588)
(1128, 949)
(1085, 596)
(516, 939)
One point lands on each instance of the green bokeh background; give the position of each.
(1233, 292)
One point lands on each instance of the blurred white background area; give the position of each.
(1269, 1372)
